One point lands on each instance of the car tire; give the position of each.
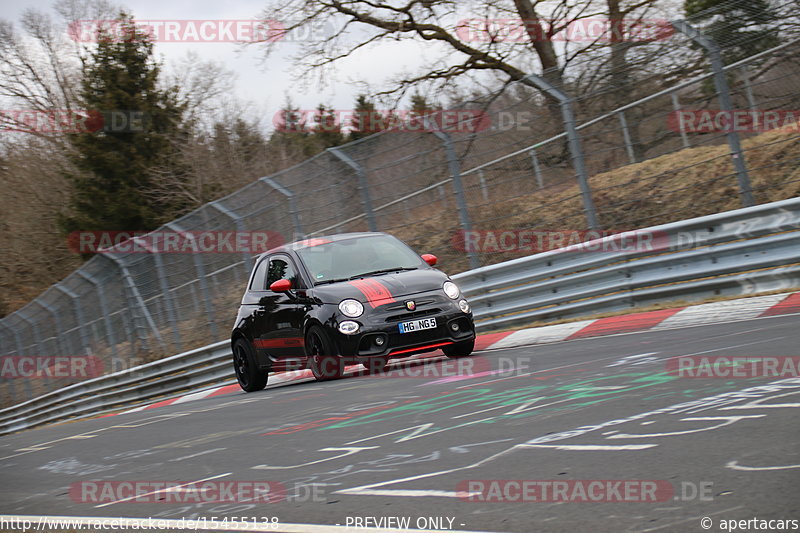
(459, 349)
(323, 363)
(249, 376)
(375, 365)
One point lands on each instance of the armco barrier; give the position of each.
(744, 251)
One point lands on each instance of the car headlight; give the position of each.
(351, 308)
(451, 289)
(348, 327)
(464, 305)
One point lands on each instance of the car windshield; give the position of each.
(357, 257)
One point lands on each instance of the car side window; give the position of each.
(258, 283)
(281, 267)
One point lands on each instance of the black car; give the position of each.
(327, 302)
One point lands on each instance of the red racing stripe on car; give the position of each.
(374, 291)
(290, 342)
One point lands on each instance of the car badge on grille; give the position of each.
(411, 305)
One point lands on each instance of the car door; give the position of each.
(278, 317)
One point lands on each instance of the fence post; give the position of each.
(169, 301)
(101, 295)
(62, 337)
(11, 386)
(626, 135)
(724, 95)
(298, 227)
(537, 170)
(574, 141)
(237, 221)
(85, 344)
(136, 302)
(484, 189)
(676, 106)
(201, 279)
(363, 185)
(455, 174)
(748, 88)
(39, 342)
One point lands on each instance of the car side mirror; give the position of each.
(282, 285)
(430, 259)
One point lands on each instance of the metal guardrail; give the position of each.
(744, 251)
(748, 250)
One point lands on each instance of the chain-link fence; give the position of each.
(630, 136)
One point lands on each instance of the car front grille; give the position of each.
(414, 315)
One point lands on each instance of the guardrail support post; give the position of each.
(201, 279)
(363, 186)
(724, 95)
(295, 214)
(574, 141)
(458, 186)
(136, 301)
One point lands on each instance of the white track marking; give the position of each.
(197, 454)
(347, 451)
(162, 490)
(728, 420)
(591, 447)
(734, 465)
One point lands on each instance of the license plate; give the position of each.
(416, 325)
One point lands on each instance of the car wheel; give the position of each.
(319, 350)
(459, 349)
(375, 365)
(249, 376)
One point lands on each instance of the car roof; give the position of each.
(315, 241)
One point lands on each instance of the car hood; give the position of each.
(382, 288)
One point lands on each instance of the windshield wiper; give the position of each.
(330, 281)
(382, 271)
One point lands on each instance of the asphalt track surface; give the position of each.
(406, 445)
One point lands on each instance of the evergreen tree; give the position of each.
(327, 130)
(741, 27)
(366, 120)
(139, 131)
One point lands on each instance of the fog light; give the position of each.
(379, 341)
(464, 306)
(348, 327)
(454, 326)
